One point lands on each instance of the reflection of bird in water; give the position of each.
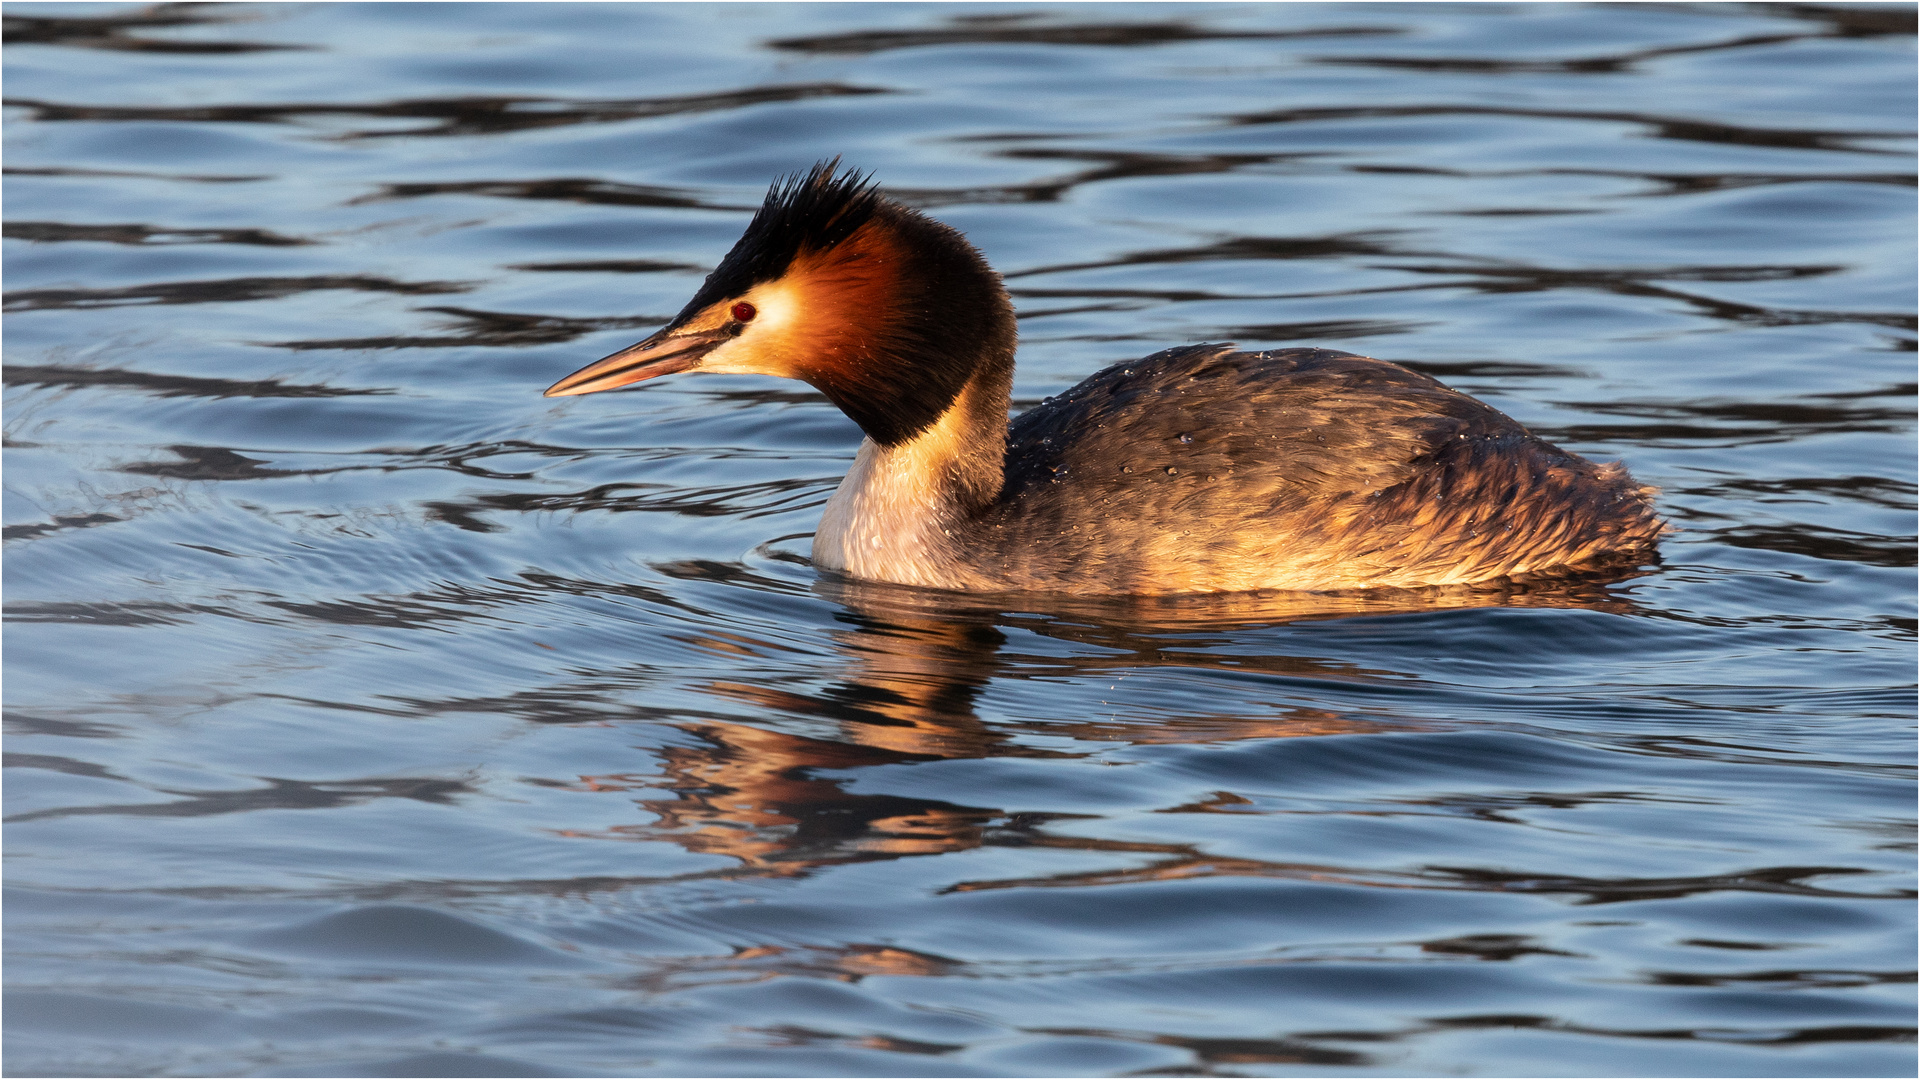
(1198, 469)
(771, 789)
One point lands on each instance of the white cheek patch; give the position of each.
(730, 359)
(779, 307)
(761, 348)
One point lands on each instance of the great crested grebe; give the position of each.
(1197, 469)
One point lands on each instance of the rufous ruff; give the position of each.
(1197, 469)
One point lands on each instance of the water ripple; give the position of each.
(432, 727)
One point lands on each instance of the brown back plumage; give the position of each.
(1207, 469)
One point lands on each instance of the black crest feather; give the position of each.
(810, 211)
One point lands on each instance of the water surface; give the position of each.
(369, 714)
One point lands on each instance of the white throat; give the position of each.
(886, 521)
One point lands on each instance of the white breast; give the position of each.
(884, 521)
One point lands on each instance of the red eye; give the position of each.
(744, 312)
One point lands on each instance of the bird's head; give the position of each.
(887, 312)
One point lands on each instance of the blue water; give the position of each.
(371, 715)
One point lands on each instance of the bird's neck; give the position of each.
(896, 514)
(928, 378)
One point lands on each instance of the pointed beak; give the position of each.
(662, 354)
